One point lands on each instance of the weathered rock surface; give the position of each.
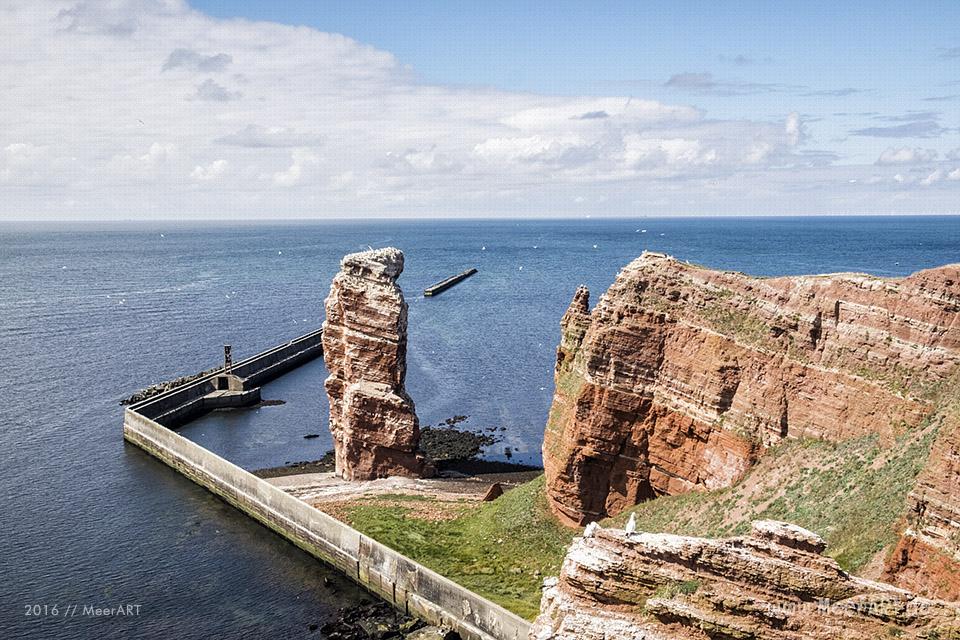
(770, 585)
(681, 376)
(373, 420)
(927, 558)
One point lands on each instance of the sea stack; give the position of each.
(373, 421)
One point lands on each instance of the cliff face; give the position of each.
(772, 584)
(681, 376)
(927, 558)
(373, 420)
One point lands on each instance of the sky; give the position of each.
(242, 109)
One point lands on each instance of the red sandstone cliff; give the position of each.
(772, 584)
(372, 419)
(682, 376)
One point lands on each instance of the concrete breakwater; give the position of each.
(204, 392)
(406, 584)
(443, 285)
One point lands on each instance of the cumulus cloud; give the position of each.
(301, 161)
(212, 171)
(159, 156)
(932, 178)
(906, 155)
(794, 129)
(954, 175)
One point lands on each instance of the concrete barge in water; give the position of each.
(443, 285)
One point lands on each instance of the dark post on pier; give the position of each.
(443, 285)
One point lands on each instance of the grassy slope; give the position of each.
(501, 550)
(852, 493)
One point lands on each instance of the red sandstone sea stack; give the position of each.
(373, 421)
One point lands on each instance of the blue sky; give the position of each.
(481, 108)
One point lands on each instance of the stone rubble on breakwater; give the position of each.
(373, 420)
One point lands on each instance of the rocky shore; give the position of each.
(379, 621)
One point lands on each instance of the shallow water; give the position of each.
(90, 313)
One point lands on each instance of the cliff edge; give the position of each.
(771, 584)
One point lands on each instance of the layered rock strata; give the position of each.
(373, 421)
(772, 584)
(681, 376)
(927, 557)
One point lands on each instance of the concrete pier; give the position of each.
(240, 387)
(443, 285)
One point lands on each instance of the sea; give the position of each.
(91, 312)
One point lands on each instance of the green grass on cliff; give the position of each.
(501, 550)
(852, 493)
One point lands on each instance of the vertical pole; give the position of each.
(227, 359)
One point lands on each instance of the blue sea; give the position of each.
(90, 313)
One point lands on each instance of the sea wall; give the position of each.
(397, 579)
(186, 402)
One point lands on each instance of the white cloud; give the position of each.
(906, 155)
(103, 97)
(157, 157)
(954, 175)
(18, 159)
(302, 160)
(932, 178)
(536, 148)
(650, 153)
(209, 172)
(794, 129)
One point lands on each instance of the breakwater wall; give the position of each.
(186, 402)
(406, 584)
(443, 285)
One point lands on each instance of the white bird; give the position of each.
(279, 253)
(521, 269)
(483, 248)
(162, 236)
(594, 246)
(590, 530)
(631, 524)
